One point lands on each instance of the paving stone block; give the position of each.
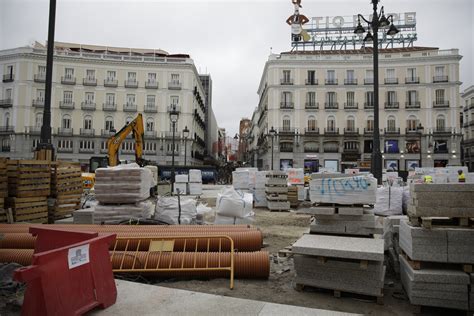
(350, 211)
(451, 187)
(320, 210)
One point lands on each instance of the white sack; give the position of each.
(234, 203)
(167, 210)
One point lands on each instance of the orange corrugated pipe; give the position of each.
(243, 241)
(246, 264)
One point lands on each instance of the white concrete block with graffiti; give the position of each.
(344, 190)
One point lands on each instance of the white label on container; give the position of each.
(78, 256)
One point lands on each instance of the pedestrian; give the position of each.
(461, 176)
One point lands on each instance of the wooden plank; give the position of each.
(31, 210)
(26, 199)
(33, 187)
(43, 193)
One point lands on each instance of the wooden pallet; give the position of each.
(430, 222)
(3, 213)
(64, 206)
(3, 178)
(66, 178)
(340, 293)
(420, 265)
(28, 178)
(29, 209)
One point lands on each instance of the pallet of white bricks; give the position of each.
(66, 189)
(28, 189)
(276, 190)
(3, 189)
(437, 243)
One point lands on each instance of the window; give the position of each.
(69, 73)
(175, 78)
(150, 147)
(439, 96)
(351, 145)
(132, 76)
(391, 124)
(130, 99)
(109, 123)
(170, 147)
(369, 98)
(7, 119)
(86, 144)
(66, 122)
(350, 123)
(311, 123)
(390, 74)
(331, 98)
(286, 76)
(64, 144)
(311, 98)
(369, 74)
(88, 122)
(350, 76)
(110, 98)
(40, 95)
(440, 123)
(39, 119)
(111, 75)
(89, 97)
(286, 98)
(439, 71)
(67, 97)
(311, 77)
(174, 100)
(411, 74)
(150, 125)
(8, 93)
(370, 124)
(350, 98)
(175, 127)
(150, 100)
(412, 97)
(151, 77)
(41, 70)
(35, 143)
(391, 97)
(90, 74)
(412, 123)
(331, 124)
(9, 70)
(331, 76)
(286, 123)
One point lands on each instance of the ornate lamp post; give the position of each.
(174, 115)
(379, 21)
(272, 132)
(185, 135)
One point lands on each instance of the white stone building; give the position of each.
(96, 90)
(321, 105)
(468, 127)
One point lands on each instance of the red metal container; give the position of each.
(71, 273)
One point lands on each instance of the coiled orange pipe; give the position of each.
(246, 264)
(243, 241)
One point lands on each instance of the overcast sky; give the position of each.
(231, 40)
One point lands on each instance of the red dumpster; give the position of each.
(71, 273)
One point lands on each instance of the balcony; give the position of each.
(150, 108)
(368, 105)
(392, 105)
(150, 134)
(286, 147)
(7, 129)
(37, 103)
(110, 83)
(129, 107)
(286, 131)
(471, 106)
(170, 153)
(106, 133)
(131, 83)
(413, 105)
(348, 82)
(65, 150)
(311, 131)
(68, 105)
(391, 81)
(411, 80)
(471, 123)
(311, 105)
(368, 131)
(330, 82)
(33, 130)
(286, 82)
(174, 85)
(440, 79)
(369, 81)
(88, 132)
(311, 150)
(331, 131)
(350, 150)
(351, 131)
(68, 80)
(8, 78)
(151, 84)
(86, 150)
(169, 134)
(351, 106)
(41, 78)
(331, 105)
(442, 130)
(88, 106)
(392, 131)
(311, 82)
(65, 131)
(110, 107)
(6, 103)
(89, 81)
(170, 108)
(411, 132)
(287, 105)
(441, 104)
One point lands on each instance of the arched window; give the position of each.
(370, 123)
(66, 122)
(312, 125)
(331, 124)
(440, 123)
(350, 123)
(412, 123)
(39, 119)
(286, 123)
(150, 124)
(109, 123)
(88, 122)
(391, 124)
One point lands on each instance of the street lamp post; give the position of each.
(378, 21)
(174, 115)
(185, 135)
(272, 132)
(420, 129)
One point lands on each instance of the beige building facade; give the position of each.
(320, 104)
(468, 127)
(96, 91)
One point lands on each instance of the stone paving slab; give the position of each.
(460, 245)
(423, 244)
(319, 210)
(340, 247)
(442, 187)
(439, 211)
(339, 217)
(317, 264)
(350, 211)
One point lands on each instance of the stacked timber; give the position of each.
(293, 196)
(29, 184)
(276, 191)
(259, 196)
(66, 189)
(437, 245)
(3, 189)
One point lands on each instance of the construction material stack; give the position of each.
(437, 243)
(276, 190)
(260, 197)
(66, 189)
(296, 190)
(195, 182)
(122, 192)
(3, 189)
(181, 182)
(29, 183)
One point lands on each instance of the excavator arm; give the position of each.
(114, 142)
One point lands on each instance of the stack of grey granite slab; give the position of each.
(436, 287)
(391, 228)
(344, 264)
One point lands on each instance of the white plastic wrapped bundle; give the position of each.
(295, 175)
(440, 178)
(182, 187)
(260, 179)
(252, 177)
(228, 220)
(389, 201)
(234, 203)
(405, 198)
(195, 188)
(195, 175)
(260, 198)
(167, 210)
(301, 192)
(181, 178)
(123, 184)
(240, 179)
(112, 213)
(470, 177)
(345, 190)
